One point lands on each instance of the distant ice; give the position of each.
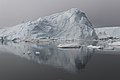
(106, 32)
(114, 43)
(69, 45)
(94, 47)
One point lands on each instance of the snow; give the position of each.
(114, 44)
(37, 53)
(68, 25)
(94, 47)
(106, 32)
(109, 48)
(70, 45)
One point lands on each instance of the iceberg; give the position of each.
(94, 47)
(114, 43)
(68, 25)
(108, 32)
(69, 45)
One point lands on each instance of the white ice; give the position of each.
(68, 25)
(115, 43)
(94, 47)
(69, 45)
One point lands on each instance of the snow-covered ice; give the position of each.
(68, 25)
(94, 47)
(109, 48)
(69, 45)
(115, 43)
(37, 53)
(106, 32)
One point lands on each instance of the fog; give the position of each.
(100, 12)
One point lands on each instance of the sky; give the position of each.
(100, 12)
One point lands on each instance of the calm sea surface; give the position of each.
(46, 62)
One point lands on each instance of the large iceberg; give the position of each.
(68, 25)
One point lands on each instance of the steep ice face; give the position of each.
(106, 32)
(68, 25)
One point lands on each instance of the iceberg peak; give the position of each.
(74, 10)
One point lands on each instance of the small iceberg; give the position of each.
(37, 53)
(28, 52)
(114, 44)
(109, 48)
(95, 47)
(69, 45)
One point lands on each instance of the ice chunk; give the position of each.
(72, 45)
(109, 48)
(94, 47)
(114, 44)
(37, 53)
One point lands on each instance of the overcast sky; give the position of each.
(100, 12)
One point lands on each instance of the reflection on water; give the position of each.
(69, 59)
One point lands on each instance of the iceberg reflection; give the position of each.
(68, 59)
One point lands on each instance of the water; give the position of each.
(20, 62)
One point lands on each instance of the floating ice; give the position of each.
(114, 44)
(94, 47)
(37, 53)
(69, 25)
(70, 45)
(107, 32)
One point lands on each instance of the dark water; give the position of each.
(20, 62)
